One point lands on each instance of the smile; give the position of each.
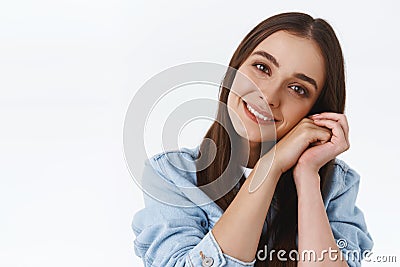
(256, 116)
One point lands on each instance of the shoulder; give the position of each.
(170, 177)
(175, 165)
(339, 177)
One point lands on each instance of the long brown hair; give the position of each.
(282, 228)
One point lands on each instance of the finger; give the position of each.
(334, 126)
(339, 117)
(337, 131)
(319, 142)
(320, 134)
(318, 127)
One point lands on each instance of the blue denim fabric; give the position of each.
(174, 227)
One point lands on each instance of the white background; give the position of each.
(68, 70)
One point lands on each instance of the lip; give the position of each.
(258, 120)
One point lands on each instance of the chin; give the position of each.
(256, 137)
(252, 133)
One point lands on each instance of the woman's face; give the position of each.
(282, 79)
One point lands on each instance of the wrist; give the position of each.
(307, 181)
(306, 167)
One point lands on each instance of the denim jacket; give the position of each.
(179, 234)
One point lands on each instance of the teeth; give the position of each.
(258, 115)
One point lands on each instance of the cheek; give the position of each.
(293, 114)
(243, 85)
(232, 107)
(231, 102)
(296, 109)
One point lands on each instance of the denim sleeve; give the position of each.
(347, 220)
(168, 235)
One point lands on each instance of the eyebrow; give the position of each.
(300, 76)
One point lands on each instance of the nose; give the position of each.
(271, 95)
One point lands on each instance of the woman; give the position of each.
(294, 195)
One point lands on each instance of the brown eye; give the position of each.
(299, 90)
(262, 67)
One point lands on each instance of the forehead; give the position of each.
(295, 54)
